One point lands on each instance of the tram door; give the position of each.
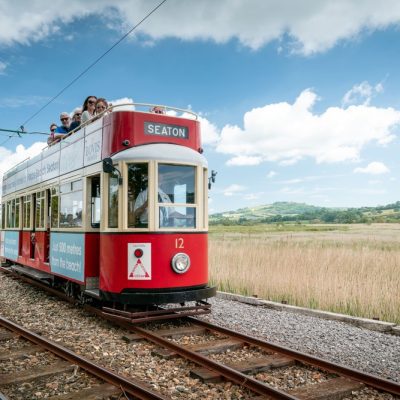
(47, 232)
(33, 232)
(93, 240)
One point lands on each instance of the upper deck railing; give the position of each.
(85, 145)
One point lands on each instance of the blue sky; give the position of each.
(298, 102)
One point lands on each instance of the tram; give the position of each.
(115, 211)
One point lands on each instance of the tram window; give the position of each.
(26, 203)
(3, 216)
(71, 202)
(96, 202)
(176, 185)
(54, 202)
(17, 212)
(138, 181)
(39, 209)
(113, 185)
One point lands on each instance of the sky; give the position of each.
(298, 101)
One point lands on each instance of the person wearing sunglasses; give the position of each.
(53, 128)
(76, 119)
(157, 110)
(88, 108)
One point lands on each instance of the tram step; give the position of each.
(93, 293)
(33, 273)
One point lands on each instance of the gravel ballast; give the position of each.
(369, 351)
(373, 352)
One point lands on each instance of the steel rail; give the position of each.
(231, 374)
(368, 379)
(131, 386)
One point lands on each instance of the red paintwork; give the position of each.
(40, 242)
(114, 261)
(92, 265)
(129, 125)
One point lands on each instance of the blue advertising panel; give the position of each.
(11, 245)
(67, 254)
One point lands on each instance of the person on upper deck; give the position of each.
(62, 129)
(88, 108)
(157, 110)
(101, 106)
(76, 119)
(53, 128)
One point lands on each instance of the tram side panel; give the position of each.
(124, 270)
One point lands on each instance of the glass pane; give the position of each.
(177, 217)
(42, 213)
(27, 212)
(3, 216)
(137, 195)
(37, 211)
(113, 186)
(17, 213)
(54, 212)
(77, 185)
(96, 202)
(65, 188)
(71, 210)
(176, 183)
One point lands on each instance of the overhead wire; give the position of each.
(94, 62)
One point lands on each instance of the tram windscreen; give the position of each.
(176, 196)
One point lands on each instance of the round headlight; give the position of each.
(180, 263)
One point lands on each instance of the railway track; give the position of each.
(41, 359)
(263, 368)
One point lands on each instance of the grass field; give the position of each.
(351, 269)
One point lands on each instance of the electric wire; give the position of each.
(94, 62)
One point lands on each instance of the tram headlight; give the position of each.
(180, 263)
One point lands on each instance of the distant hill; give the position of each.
(301, 212)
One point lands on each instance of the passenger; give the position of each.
(101, 106)
(53, 128)
(88, 108)
(62, 130)
(76, 119)
(157, 110)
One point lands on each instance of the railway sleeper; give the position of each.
(215, 347)
(35, 373)
(175, 333)
(102, 391)
(252, 365)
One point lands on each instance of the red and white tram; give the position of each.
(116, 210)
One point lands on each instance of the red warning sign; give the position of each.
(139, 263)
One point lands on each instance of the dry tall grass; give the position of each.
(355, 272)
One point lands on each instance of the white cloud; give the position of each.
(252, 196)
(233, 189)
(10, 158)
(362, 93)
(373, 168)
(244, 160)
(271, 174)
(124, 104)
(209, 132)
(312, 26)
(286, 133)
